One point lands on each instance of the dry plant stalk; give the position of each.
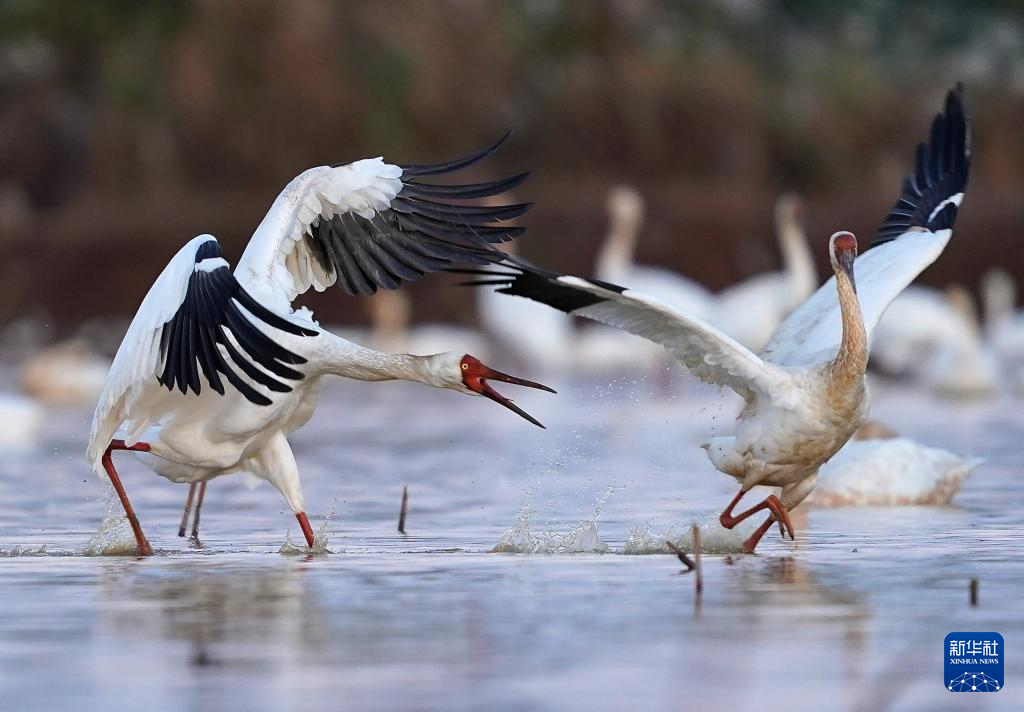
(687, 561)
(405, 508)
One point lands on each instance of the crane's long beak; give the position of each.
(846, 260)
(476, 380)
(843, 246)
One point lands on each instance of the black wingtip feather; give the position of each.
(941, 170)
(465, 191)
(429, 169)
(540, 285)
(425, 228)
(190, 341)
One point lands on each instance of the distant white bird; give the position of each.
(805, 395)
(393, 330)
(963, 366)
(1004, 323)
(20, 422)
(914, 327)
(599, 349)
(217, 369)
(67, 374)
(615, 262)
(751, 310)
(536, 336)
(890, 472)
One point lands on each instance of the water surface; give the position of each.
(851, 616)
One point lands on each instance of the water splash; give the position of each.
(320, 540)
(714, 538)
(583, 538)
(19, 550)
(114, 536)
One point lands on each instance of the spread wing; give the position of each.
(196, 327)
(369, 225)
(911, 237)
(709, 354)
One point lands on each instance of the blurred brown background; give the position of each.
(129, 126)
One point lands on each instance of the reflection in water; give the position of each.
(434, 620)
(225, 616)
(779, 607)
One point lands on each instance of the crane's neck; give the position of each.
(797, 259)
(963, 305)
(343, 358)
(851, 362)
(619, 247)
(999, 297)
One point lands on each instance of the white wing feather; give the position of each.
(812, 333)
(277, 265)
(709, 354)
(137, 361)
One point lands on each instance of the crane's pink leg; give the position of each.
(751, 543)
(188, 508)
(307, 531)
(199, 508)
(771, 502)
(108, 464)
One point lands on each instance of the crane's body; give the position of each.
(783, 446)
(805, 392)
(217, 368)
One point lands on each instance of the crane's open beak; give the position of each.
(475, 376)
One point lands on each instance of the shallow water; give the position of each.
(851, 616)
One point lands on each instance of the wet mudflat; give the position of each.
(851, 616)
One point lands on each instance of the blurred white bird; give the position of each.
(1004, 323)
(66, 374)
(890, 472)
(20, 422)
(615, 262)
(751, 310)
(962, 366)
(217, 369)
(805, 395)
(599, 349)
(912, 329)
(391, 314)
(536, 336)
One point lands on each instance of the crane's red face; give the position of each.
(844, 253)
(475, 376)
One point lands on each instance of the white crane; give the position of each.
(806, 394)
(599, 349)
(217, 368)
(391, 313)
(890, 472)
(538, 337)
(615, 262)
(1004, 323)
(965, 366)
(752, 309)
(916, 325)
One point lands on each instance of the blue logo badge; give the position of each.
(974, 662)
